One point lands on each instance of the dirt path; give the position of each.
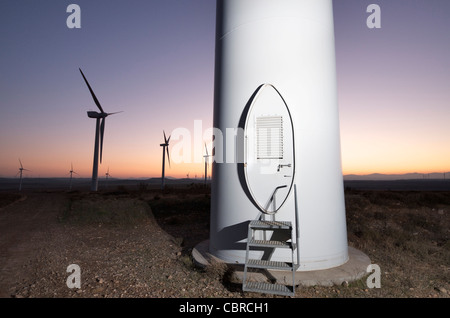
(135, 260)
(20, 224)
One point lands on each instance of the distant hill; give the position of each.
(407, 176)
(410, 181)
(84, 183)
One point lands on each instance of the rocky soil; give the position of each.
(115, 260)
(138, 245)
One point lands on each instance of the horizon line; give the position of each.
(209, 178)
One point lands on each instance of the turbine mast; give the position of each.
(165, 146)
(94, 182)
(206, 164)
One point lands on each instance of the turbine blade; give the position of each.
(102, 132)
(168, 157)
(92, 92)
(165, 138)
(20, 163)
(168, 139)
(114, 113)
(206, 150)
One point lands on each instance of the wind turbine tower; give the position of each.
(165, 146)
(107, 176)
(21, 169)
(206, 163)
(275, 84)
(99, 133)
(71, 172)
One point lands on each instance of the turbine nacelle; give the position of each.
(21, 167)
(94, 114)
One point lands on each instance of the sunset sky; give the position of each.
(154, 60)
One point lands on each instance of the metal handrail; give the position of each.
(272, 199)
(297, 231)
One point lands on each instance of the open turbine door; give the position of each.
(269, 155)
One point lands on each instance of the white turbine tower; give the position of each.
(206, 156)
(21, 169)
(165, 146)
(275, 85)
(99, 133)
(71, 172)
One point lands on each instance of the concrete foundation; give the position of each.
(355, 268)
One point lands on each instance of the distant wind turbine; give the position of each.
(99, 133)
(107, 176)
(71, 172)
(21, 169)
(206, 163)
(165, 146)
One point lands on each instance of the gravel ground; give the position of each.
(147, 254)
(135, 260)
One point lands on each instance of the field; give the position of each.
(135, 241)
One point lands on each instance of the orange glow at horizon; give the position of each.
(392, 87)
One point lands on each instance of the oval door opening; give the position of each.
(269, 149)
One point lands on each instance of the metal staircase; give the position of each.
(282, 236)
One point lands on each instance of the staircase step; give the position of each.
(270, 225)
(268, 243)
(257, 263)
(267, 288)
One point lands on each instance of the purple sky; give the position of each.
(154, 60)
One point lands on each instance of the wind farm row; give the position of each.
(71, 180)
(100, 118)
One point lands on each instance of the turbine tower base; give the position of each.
(354, 269)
